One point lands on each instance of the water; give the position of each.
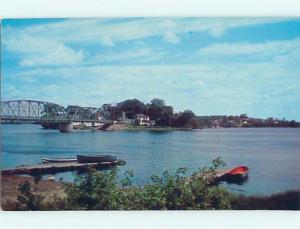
(272, 154)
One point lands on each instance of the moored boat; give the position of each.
(240, 171)
(237, 175)
(95, 158)
(58, 160)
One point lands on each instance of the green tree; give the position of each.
(158, 102)
(94, 190)
(51, 111)
(159, 112)
(186, 119)
(131, 107)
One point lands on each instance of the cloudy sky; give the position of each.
(211, 66)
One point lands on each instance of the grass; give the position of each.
(289, 200)
(158, 128)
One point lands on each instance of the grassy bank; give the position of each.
(102, 191)
(158, 128)
(47, 189)
(289, 200)
(128, 127)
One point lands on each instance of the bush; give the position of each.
(100, 191)
(94, 190)
(172, 191)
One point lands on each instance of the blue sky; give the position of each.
(209, 65)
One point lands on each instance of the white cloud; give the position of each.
(171, 38)
(108, 30)
(41, 51)
(266, 49)
(54, 43)
(106, 41)
(172, 82)
(262, 89)
(199, 83)
(138, 55)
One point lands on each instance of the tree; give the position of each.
(158, 111)
(186, 119)
(158, 102)
(94, 190)
(131, 107)
(293, 123)
(51, 111)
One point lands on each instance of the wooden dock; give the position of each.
(52, 168)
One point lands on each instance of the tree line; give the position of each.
(157, 110)
(164, 115)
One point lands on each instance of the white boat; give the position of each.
(58, 160)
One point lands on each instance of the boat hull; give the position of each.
(238, 175)
(58, 160)
(95, 158)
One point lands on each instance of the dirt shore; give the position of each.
(10, 192)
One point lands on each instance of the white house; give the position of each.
(142, 120)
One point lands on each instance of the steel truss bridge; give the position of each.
(32, 111)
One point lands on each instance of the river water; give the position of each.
(272, 154)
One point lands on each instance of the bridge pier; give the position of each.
(66, 127)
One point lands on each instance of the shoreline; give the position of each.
(160, 128)
(52, 189)
(123, 127)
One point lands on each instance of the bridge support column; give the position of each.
(66, 127)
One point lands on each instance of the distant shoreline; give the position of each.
(118, 127)
(168, 128)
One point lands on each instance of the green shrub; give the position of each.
(96, 190)
(171, 191)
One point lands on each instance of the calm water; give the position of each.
(273, 155)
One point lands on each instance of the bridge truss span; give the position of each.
(39, 111)
(29, 110)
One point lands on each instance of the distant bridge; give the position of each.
(32, 111)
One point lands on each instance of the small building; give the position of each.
(142, 120)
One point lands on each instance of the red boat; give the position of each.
(241, 172)
(237, 175)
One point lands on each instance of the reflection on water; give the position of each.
(272, 154)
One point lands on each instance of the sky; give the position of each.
(208, 65)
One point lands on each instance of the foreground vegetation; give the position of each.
(101, 191)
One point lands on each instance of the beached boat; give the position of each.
(237, 175)
(240, 171)
(58, 160)
(95, 158)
